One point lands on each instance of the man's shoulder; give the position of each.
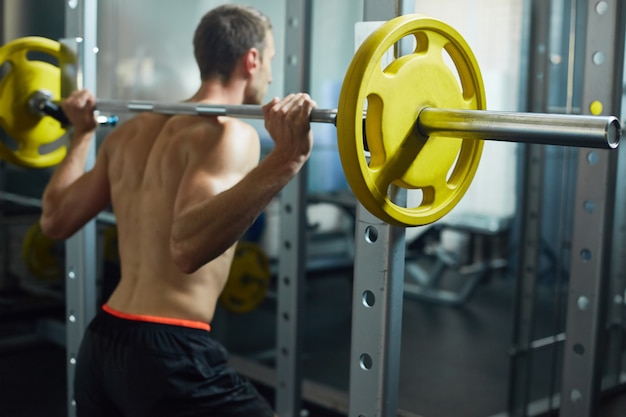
(238, 125)
(217, 126)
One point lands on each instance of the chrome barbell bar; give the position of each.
(602, 132)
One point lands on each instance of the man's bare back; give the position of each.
(158, 165)
(184, 190)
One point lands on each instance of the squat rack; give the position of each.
(379, 260)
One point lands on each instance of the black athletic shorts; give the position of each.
(137, 368)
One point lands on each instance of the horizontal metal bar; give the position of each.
(20, 199)
(245, 111)
(548, 129)
(543, 128)
(547, 341)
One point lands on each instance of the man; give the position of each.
(184, 189)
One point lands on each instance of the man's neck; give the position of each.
(214, 92)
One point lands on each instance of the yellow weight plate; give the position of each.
(26, 74)
(441, 72)
(38, 255)
(249, 279)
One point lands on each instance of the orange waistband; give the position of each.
(156, 319)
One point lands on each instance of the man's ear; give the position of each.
(252, 60)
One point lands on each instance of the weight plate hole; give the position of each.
(4, 69)
(449, 177)
(42, 56)
(372, 129)
(449, 61)
(8, 141)
(408, 45)
(414, 198)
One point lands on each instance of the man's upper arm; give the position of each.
(81, 201)
(217, 168)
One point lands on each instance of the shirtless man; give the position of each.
(184, 189)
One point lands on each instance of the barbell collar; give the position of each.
(541, 128)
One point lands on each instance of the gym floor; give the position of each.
(454, 360)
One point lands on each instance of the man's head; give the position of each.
(230, 35)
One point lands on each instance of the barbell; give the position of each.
(416, 122)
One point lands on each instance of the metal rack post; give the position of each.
(593, 217)
(616, 315)
(292, 252)
(377, 296)
(80, 26)
(532, 172)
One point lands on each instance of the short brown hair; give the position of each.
(224, 35)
